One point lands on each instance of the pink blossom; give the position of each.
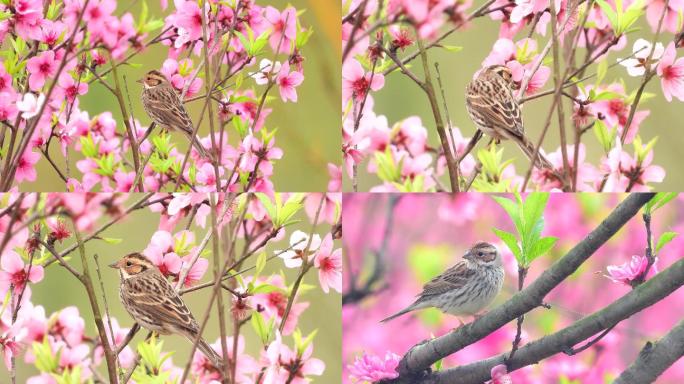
(284, 28)
(286, 365)
(671, 22)
(500, 375)
(10, 341)
(58, 229)
(335, 183)
(671, 74)
(628, 271)
(299, 241)
(356, 82)
(274, 303)
(373, 368)
(41, 67)
(69, 326)
(329, 264)
(124, 180)
(287, 82)
(188, 17)
(626, 173)
(72, 88)
(5, 81)
(26, 169)
(27, 18)
(196, 272)
(523, 8)
(636, 66)
(330, 208)
(30, 105)
(8, 108)
(207, 372)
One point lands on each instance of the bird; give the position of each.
(493, 108)
(154, 303)
(163, 104)
(464, 289)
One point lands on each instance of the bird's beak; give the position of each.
(139, 81)
(468, 256)
(115, 265)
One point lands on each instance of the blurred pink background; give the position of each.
(432, 231)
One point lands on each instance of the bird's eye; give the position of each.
(128, 264)
(480, 254)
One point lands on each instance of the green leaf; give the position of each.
(265, 288)
(513, 211)
(302, 344)
(302, 38)
(532, 210)
(260, 327)
(606, 95)
(452, 48)
(260, 264)
(660, 199)
(512, 243)
(541, 247)
(601, 70)
(603, 136)
(45, 361)
(88, 147)
(111, 240)
(664, 239)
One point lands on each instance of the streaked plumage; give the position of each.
(154, 304)
(493, 108)
(163, 104)
(466, 288)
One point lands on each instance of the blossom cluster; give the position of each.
(55, 61)
(382, 44)
(63, 346)
(430, 233)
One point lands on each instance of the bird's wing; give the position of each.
(453, 278)
(497, 105)
(157, 298)
(166, 107)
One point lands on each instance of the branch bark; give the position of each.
(654, 359)
(423, 355)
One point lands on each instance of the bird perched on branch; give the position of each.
(163, 104)
(492, 106)
(466, 288)
(154, 304)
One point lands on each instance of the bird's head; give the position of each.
(484, 253)
(133, 264)
(501, 71)
(153, 78)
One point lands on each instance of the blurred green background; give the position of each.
(60, 289)
(401, 98)
(308, 131)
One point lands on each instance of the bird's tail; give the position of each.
(196, 143)
(209, 352)
(528, 149)
(400, 313)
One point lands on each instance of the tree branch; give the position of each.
(654, 359)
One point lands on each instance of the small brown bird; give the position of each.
(466, 288)
(154, 304)
(163, 104)
(495, 111)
